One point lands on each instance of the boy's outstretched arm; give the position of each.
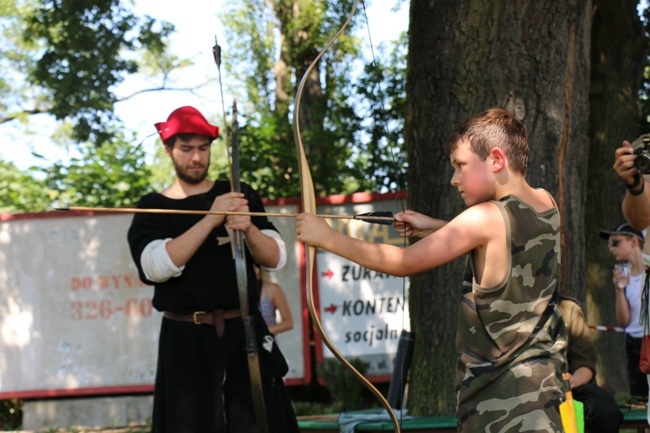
(471, 229)
(383, 258)
(410, 223)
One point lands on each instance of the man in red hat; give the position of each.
(202, 379)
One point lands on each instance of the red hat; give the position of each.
(187, 120)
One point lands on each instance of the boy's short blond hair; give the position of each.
(491, 128)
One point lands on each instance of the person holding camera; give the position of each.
(632, 164)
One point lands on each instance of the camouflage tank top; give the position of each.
(511, 337)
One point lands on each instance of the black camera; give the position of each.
(641, 148)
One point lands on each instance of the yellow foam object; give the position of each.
(571, 411)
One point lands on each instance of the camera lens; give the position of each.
(642, 163)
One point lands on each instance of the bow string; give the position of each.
(308, 199)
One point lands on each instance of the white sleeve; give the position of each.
(156, 263)
(281, 246)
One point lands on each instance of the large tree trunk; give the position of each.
(532, 58)
(619, 51)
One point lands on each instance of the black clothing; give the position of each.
(601, 411)
(208, 281)
(637, 380)
(202, 380)
(192, 363)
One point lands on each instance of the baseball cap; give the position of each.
(622, 229)
(187, 120)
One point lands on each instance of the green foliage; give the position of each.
(74, 54)
(112, 175)
(346, 390)
(268, 159)
(250, 56)
(306, 408)
(382, 88)
(351, 129)
(16, 57)
(644, 92)
(21, 191)
(11, 412)
(77, 52)
(266, 138)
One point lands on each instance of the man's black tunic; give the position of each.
(202, 383)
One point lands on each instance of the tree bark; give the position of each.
(532, 58)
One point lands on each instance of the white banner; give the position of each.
(363, 311)
(75, 317)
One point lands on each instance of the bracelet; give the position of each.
(638, 179)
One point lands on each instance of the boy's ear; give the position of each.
(498, 159)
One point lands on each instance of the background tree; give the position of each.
(66, 58)
(531, 58)
(20, 192)
(64, 69)
(112, 175)
(271, 44)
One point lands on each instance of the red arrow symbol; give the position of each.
(331, 309)
(328, 273)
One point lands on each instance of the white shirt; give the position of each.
(633, 293)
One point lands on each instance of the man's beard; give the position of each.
(190, 178)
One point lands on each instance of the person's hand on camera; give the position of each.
(624, 163)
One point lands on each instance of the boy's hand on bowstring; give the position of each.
(402, 225)
(312, 230)
(410, 223)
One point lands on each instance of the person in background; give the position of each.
(601, 411)
(273, 301)
(203, 382)
(636, 203)
(626, 245)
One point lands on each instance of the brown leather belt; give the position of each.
(214, 318)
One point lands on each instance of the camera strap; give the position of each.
(638, 179)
